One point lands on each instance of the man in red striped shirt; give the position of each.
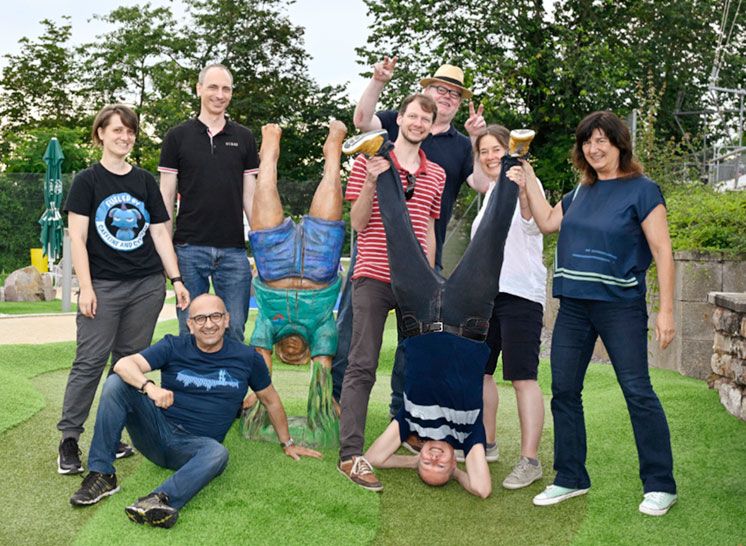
(372, 297)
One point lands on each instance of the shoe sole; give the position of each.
(360, 143)
(157, 517)
(656, 512)
(558, 499)
(376, 488)
(409, 448)
(489, 458)
(94, 501)
(66, 471)
(124, 454)
(522, 485)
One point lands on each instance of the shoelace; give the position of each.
(361, 467)
(96, 482)
(656, 497)
(70, 448)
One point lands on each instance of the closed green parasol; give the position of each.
(51, 221)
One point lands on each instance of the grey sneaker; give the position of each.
(491, 451)
(523, 474)
(657, 503)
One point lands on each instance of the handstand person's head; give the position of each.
(437, 462)
(293, 349)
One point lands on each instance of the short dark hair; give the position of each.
(498, 131)
(103, 118)
(618, 134)
(426, 103)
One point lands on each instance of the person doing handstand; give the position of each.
(446, 322)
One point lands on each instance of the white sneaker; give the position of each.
(554, 494)
(491, 452)
(524, 473)
(657, 503)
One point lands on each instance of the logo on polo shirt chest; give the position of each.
(229, 143)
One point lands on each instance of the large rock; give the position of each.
(24, 285)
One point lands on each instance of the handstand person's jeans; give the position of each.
(467, 296)
(196, 459)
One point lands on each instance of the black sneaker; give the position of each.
(95, 487)
(124, 451)
(68, 459)
(154, 510)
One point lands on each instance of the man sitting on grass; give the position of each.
(181, 424)
(446, 322)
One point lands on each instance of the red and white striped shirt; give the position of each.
(372, 258)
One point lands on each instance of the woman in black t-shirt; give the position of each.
(120, 248)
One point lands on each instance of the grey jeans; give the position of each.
(126, 314)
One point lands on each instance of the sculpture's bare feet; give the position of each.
(270, 149)
(333, 144)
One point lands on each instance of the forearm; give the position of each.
(168, 184)
(478, 180)
(431, 243)
(248, 195)
(80, 262)
(463, 478)
(278, 418)
(666, 277)
(399, 461)
(362, 208)
(128, 369)
(364, 117)
(540, 209)
(523, 203)
(165, 249)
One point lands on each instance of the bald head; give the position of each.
(206, 304)
(437, 462)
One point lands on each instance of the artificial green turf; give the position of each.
(31, 307)
(264, 497)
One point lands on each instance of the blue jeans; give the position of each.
(230, 272)
(622, 326)
(196, 459)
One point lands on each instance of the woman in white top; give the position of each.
(515, 326)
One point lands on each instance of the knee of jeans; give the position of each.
(217, 457)
(114, 386)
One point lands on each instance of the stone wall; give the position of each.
(728, 362)
(697, 274)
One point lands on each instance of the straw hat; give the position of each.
(451, 75)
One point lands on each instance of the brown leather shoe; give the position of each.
(413, 443)
(359, 471)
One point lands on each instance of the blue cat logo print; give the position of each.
(122, 222)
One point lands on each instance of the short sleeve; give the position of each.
(169, 161)
(161, 353)
(251, 161)
(567, 199)
(649, 196)
(259, 379)
(388, 122)
(155, 205)
(80, 197)
(467, 165)
(356, 178)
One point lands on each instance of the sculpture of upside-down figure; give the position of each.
(298, 284)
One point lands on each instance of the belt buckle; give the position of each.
(436, 327)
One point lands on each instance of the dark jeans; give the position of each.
(230, 272)
(196, 459)
(623, 329)
(466, 297)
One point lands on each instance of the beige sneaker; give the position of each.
(369, 143)
(523, 474)
(359, 471)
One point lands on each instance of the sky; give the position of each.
(330, 63)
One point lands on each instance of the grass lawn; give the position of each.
(265, 498)
(32, 307)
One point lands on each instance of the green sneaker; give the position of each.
(554, 494)
(657, 503)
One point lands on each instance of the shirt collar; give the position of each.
(227, 128)
(423, 162)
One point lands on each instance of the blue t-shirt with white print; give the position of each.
(208, 387)
(602, 253)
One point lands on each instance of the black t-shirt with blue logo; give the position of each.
(120, 209)
(208, 387)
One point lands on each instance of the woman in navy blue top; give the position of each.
(611, 227)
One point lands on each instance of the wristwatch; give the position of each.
(287, 444)
(176, 279)
(142, 389)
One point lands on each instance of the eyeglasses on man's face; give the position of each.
(200, 320)
(409, 191)
(445, 91)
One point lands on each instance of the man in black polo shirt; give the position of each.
(211, 162)
(445, 146)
